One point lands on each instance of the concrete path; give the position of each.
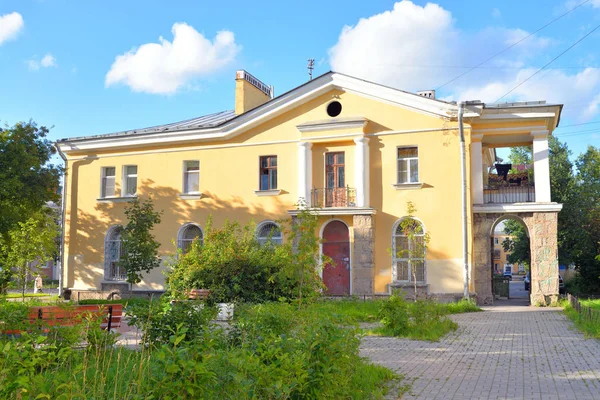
(505, 352)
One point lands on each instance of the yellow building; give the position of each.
(501, 264)
(355, 151)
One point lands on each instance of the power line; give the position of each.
(548, 63)
(512, 45)
(585, 123)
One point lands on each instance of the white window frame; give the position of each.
(407, 160)
(112, 232)
(103, 177)
(277, 240)
(396, 259)
(496, 241)
(124, 181)
(185, 175)
(181, 232)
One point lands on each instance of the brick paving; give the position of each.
(505, 352)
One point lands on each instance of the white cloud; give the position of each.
(45, 62)
(10, 26)
(413, 48)
(165, 67)
(48, 61)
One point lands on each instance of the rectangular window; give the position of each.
(191, 176)
(129, 180)
(268, 173)
(408, 165)
(496, 254)
(108, 182)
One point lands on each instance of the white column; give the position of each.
(304, 172)
(476, 169)
(541, 166)
(361, 171)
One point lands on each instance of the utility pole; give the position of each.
(310, 66)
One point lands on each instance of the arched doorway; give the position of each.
(510, 261)
(541, 226)
(336, 245)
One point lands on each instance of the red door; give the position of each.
(336, 245)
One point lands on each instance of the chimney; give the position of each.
(250, 92)
(427, 93)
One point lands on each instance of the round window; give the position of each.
(334, 108)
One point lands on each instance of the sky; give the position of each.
(92, 67)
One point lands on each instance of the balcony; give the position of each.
(333, 197)
(506, 194)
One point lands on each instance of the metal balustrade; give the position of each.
(503, 194)
(333, 197)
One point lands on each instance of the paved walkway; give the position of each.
(505, 352)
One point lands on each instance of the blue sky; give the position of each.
(59, 60)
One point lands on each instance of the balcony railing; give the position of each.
(334, 197)
(508, 193)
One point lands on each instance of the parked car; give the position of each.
(508, 274)
(527, 281)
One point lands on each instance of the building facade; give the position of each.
(356, 152)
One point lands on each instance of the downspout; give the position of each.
(463, 165)
(62, 222)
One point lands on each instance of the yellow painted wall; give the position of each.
(229, 176)
(247, 96)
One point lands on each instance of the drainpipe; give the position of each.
(62, 221)
(463, 166)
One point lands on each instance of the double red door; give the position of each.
(336, 245)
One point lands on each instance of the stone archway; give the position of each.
(544, 254)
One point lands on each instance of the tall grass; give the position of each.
(589, 328)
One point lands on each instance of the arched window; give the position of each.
(112, 255)
(187, 234)
(408, 257)
(269, 231)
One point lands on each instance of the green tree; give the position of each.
(140, 247)
(520, 155)
(29, 244)
(27, 179)
(517, 244)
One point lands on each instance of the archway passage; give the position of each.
(541, 226)
(511, 261)
(336, 245)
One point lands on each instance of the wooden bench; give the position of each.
(111, 315)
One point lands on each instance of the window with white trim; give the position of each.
(108, 182)
(129, 180)
(191, 176)
(408, 256)
(268, 173)
(408, 165)
(496, 240)
(113, 247)
(187, 235)
(269, 232)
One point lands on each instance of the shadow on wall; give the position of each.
(87, 228)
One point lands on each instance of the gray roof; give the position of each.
(205, 121)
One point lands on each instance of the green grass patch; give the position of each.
(589, 328)
(351, 310)
(461, 306)
(595, 304)
(19, 295)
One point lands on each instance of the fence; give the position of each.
(585, 313)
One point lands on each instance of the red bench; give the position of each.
(111, 315)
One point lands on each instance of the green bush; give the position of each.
(158, 320)
(237, 268)
(422, 319)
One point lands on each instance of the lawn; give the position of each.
(592, 303)
(590, 327)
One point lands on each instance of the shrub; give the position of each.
(422, 319)
(158, 320)
(233, 264)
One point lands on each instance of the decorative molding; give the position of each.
(540, 134)
(337, 211)
(271, 192)
(116, 199)
(333, 124)
(190, 196)
(405, 186)
(516, 207)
